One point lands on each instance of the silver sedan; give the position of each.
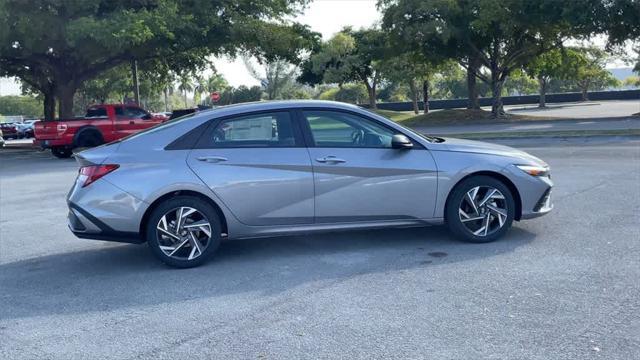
(275, 168)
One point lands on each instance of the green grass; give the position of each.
(452, 117)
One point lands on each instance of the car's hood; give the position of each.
(479, 147)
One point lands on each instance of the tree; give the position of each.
(244, 94)
(554, 64)
(57, 45)
(20, 105)
(589, 71)
(349, 56)
(215, 83)
(414, 70)
(501, 35)
(185, 84)
(279, 77)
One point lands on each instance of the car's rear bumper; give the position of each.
(85, 226)
(49, 143)
(103, 211)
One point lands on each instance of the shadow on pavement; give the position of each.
(121, 276)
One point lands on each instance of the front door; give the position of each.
(359, 177)
(258, 166)
(130, 120)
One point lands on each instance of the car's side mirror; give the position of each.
(399, 141)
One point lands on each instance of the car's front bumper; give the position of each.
(535, 193)
(543, 207)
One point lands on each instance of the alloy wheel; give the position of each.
(183, 233)
(483, 210)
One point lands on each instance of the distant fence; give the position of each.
(513, 100)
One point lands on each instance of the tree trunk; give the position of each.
(425, 95)
(543, 91)
(585, 94)
(371, 90)
(49, 106)
(65, 95)
(497, 82)
(472, 88)
(136, 84)
(185, 99)
(166, 100)
(414, 96)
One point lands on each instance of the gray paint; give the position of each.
(270, 191)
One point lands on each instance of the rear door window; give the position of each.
(274, 129)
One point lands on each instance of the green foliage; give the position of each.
(20, 105)
(632, 81)
(349, 56)
(354, 93)
(279, 79)
(241, 94)
(503, 35)
(57, 45)
(519, 83)
(589, 73)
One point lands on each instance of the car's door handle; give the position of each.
(131, 122)
(330, 159)
(212, 159)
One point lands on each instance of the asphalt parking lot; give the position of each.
(562, 286)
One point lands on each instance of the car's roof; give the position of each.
(277, 105)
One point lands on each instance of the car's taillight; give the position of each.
(95, 172)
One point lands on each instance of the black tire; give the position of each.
(89, 139)
(174, 203)
(452, 216)
(61, 152)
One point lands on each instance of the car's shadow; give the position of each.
(119, 276)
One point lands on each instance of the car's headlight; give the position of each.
(534, 170)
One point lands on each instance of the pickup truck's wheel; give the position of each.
(61, 152)
(183, 231)
(89, 139)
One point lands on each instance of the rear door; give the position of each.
(258, 166)
(359, 177)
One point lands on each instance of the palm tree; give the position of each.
(185, 85)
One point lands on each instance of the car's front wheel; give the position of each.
(183, 231)
(480, 209)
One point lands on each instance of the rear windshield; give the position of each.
(97, 112)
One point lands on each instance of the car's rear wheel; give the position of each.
(480, 209)
(183, 231)
(61, 152)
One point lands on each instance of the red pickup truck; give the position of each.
(102, 124)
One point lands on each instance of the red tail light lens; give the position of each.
(95, 172)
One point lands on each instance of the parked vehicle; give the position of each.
(101, 124)
(295, 167)
(9, 131)
(26, 129)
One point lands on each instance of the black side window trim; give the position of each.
(204, 141)
(308, 136)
